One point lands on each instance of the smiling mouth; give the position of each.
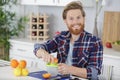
(76, 27)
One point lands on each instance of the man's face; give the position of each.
(74, 21)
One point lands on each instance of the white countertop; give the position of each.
(111, 53)
(6, 73)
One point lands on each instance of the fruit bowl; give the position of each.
(116, 47)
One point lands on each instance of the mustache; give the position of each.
(76, 24)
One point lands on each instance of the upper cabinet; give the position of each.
(37, 2)
(27, 2)
(86, 3)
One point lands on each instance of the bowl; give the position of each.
(52, 69)
(116, 47)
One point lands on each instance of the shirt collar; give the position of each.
(68, 36)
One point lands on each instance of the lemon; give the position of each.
(17, 71)
(25, 72)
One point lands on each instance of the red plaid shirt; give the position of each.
(87, 51)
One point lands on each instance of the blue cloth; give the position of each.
(39, 74)
(87, 51)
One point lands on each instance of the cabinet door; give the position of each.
(116, 66)
(22, 49)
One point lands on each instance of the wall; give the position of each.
(55, 16)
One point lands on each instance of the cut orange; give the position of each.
(55, 60)
(14, 63)
(46, 75)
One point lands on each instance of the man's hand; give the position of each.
(63, 68)
(66, 69)
(45, 55)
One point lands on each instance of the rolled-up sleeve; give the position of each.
(95, 61)
(50, 46)
(92, 73)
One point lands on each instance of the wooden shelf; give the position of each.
(38, 27)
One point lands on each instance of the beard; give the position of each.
(76, 31)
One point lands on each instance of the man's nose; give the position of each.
(75, 21)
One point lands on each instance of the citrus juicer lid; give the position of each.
(52, 64)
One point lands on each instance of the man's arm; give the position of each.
(41, 53)
(50, 46)
(66, 69)
(95, 59)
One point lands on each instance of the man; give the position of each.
(79, 52)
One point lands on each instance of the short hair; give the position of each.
(73, 5)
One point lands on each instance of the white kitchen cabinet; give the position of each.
(28, 2)
(23, 49)
(38, 2)
(86, 3)
(112, 60)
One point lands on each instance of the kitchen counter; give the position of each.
(111, 53)
(6, 72)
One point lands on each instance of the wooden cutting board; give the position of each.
(111, 26)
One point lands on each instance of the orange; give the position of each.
(55, 60)
(46, 75)
(14, 63)
(22, 63)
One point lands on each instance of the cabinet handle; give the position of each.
(111, 73)
(21, 50)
